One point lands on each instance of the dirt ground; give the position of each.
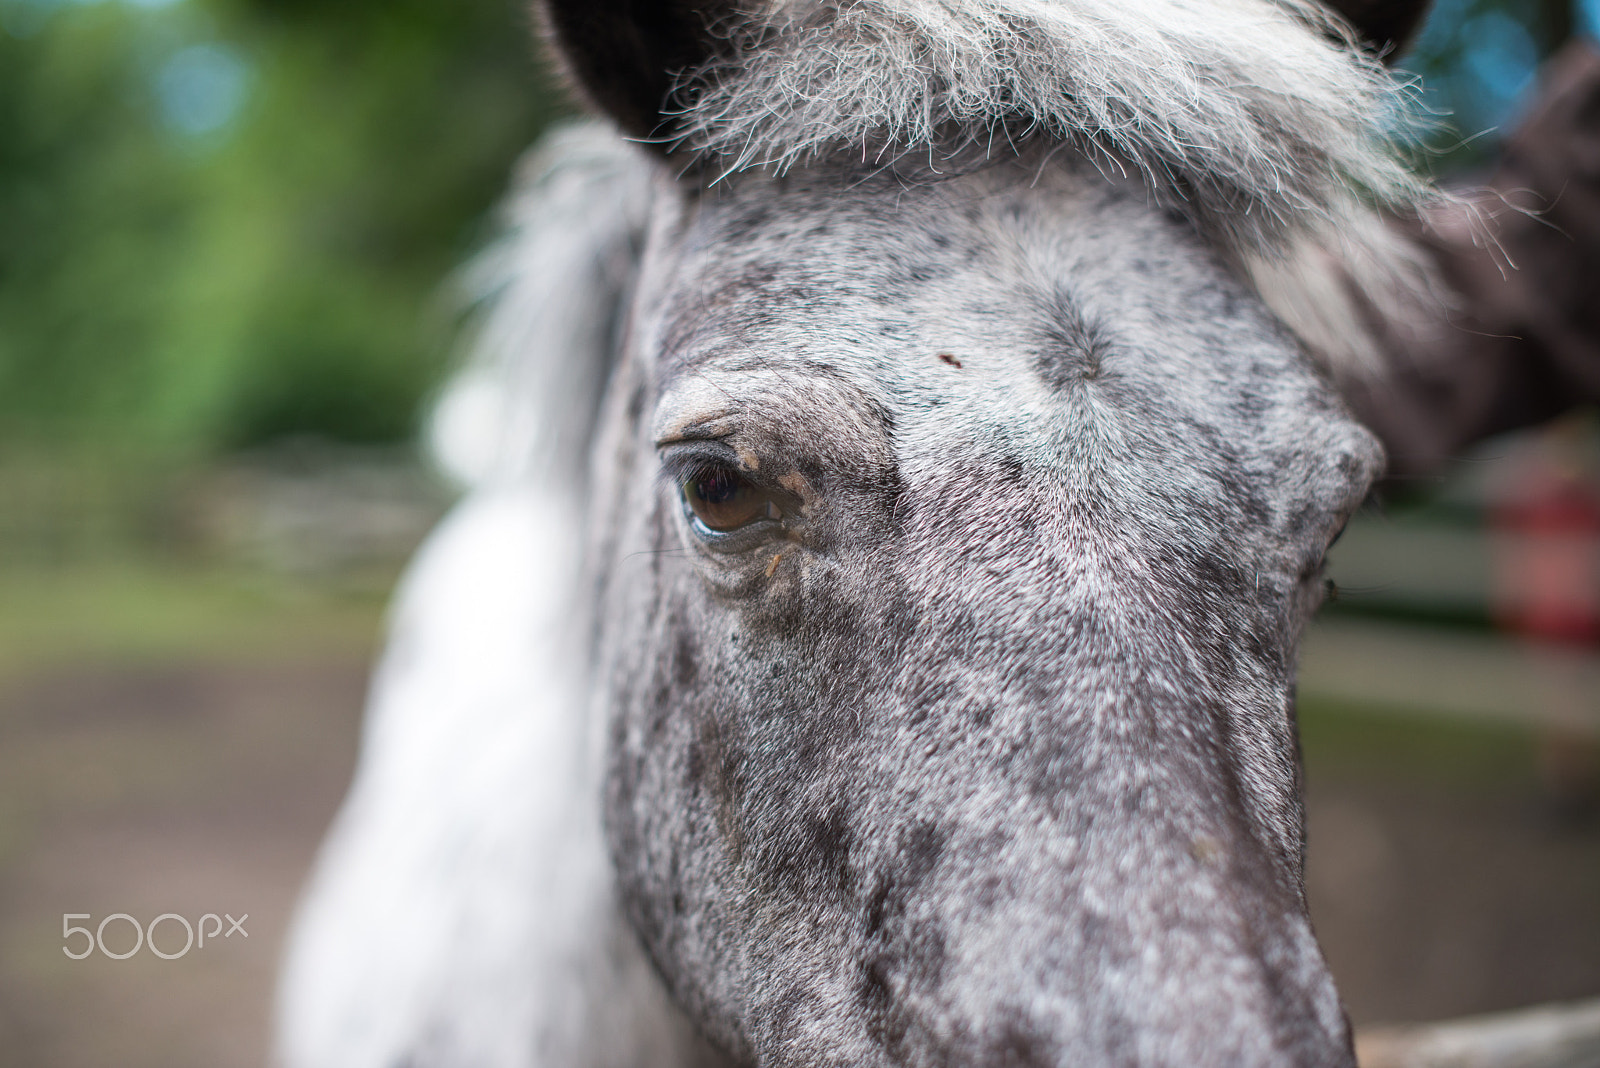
(187, 789)
(202, 787)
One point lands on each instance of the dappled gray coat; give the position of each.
(901, 490)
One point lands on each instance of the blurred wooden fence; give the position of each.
(1564, 1035)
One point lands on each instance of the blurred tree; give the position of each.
(92, 213)
(223, 221)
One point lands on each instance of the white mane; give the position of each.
(551, 294)
(1262, 119)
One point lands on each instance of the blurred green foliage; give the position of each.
(225, 221)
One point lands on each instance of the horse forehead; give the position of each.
(982, 308)
(1006, 256)
(876, 248)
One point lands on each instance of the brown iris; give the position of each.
(723, 500)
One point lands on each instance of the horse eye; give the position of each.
(724, 500)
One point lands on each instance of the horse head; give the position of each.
(963, 507)
(968, 452)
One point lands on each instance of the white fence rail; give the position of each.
(1565, 1035)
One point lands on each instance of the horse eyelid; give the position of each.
(683, 462)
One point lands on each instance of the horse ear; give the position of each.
(624, 55)
(1386, 24)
